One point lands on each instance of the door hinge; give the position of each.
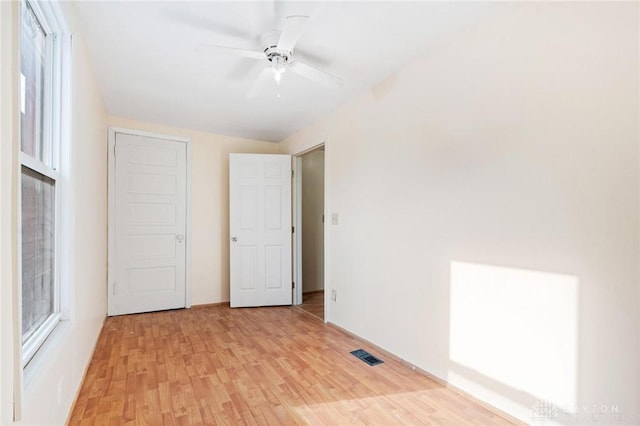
(293, 229)
(293, 173)
(293, 284)
(114, 149)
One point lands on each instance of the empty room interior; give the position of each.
(291, 212)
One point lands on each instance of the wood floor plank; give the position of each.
(313, 303)
(261, 366)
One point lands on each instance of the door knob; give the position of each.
(234, 239)
(180, 238)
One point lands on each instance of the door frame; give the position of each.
(113, 131)
(296, 205)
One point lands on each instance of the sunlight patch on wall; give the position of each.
(516, 327)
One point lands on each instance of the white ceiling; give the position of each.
(144, 55)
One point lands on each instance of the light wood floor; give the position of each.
(217, 365)
(313, 302)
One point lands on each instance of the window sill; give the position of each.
(44, 353)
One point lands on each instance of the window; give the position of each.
(39, 188)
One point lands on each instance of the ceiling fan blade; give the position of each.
(319, 76)
(293, 28)
(210, 48)
(312, 57)
(263, 80)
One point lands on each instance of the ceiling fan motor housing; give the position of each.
(277, 56)
(269, 41)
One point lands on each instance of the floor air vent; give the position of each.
(366, 357)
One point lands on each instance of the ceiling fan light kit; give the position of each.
(279, 61)
(278, 48)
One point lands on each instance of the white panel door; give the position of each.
(150, 225)
(260, 229)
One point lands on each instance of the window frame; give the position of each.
(55, 132)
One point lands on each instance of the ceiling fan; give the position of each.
(278, 52)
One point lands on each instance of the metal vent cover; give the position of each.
(366, 357)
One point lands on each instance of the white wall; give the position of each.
(312, 225)
(210, 204)
(49, 394)
(504, 164)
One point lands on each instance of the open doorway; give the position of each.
(309, 220)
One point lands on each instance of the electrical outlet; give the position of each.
(333, 294)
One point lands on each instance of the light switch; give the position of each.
(334, 218)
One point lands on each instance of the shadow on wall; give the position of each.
(514, 334)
